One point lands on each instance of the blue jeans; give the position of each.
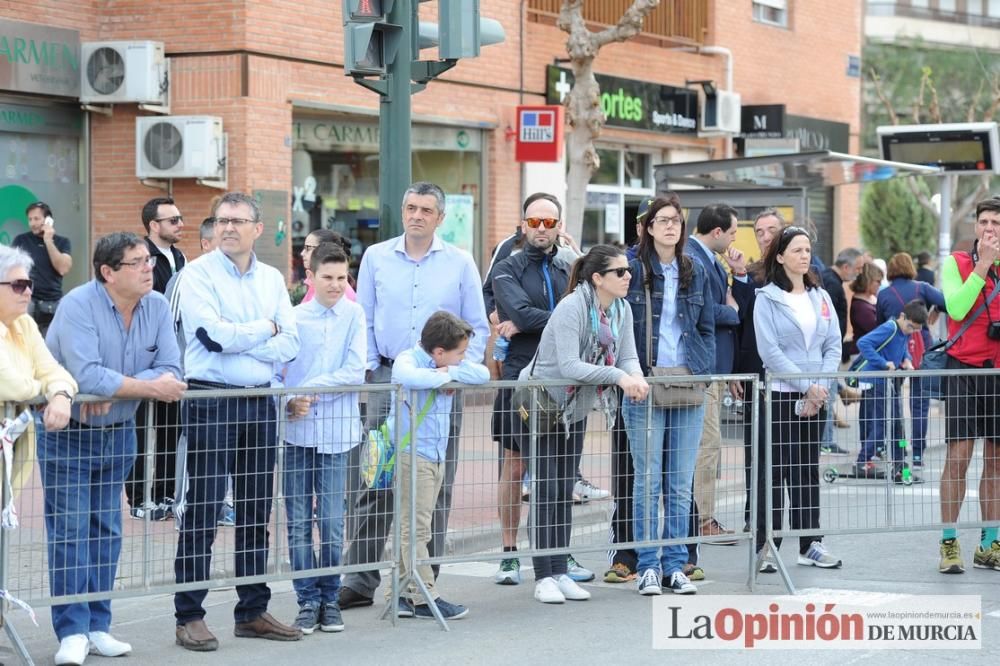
(226, 436)
(83, 475)
(873, 423)
(310, 475)
(664, 467)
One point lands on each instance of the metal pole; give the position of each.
(944, 218)
(395, 168)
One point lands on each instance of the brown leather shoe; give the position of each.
(265, 626)
(196, 637)
(712, 528)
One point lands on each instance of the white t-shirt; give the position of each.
(169, 255)
(805, 317)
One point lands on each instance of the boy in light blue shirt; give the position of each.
(433, 362)
(320, 433)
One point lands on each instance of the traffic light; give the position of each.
(370, 41)
(460, 31)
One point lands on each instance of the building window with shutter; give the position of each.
(772, 12)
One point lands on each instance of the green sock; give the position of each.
(989, 535)
(949, 533)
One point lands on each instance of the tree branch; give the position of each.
(971, 115)
(877, 82)
(962, 211)
(935, 109)
(629, 25)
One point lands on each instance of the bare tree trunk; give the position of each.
(584, 115)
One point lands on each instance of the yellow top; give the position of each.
(27, 368)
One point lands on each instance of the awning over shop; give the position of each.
(814, 169)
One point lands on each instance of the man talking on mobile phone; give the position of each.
(52, 261)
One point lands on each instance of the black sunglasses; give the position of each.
(789, 230)
(18, 286)
(620, 272)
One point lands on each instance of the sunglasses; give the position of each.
(175, 220)
(18, 286)
(548, 222)
(787, 231)
(620, 272)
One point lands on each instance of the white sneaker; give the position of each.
(587, 491)
(649, 583)
(819, 556)
(571, 590)
(106, 645)
(72, 650)
(547, 591)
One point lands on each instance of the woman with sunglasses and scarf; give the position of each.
(679, 329)
(595, 315)
(27, 368)
(797, 333)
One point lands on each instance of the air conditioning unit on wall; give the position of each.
(720, 113)
(180, 147)
(115, 72)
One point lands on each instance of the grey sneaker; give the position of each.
(578, 573)
(509, 572)
(307, 620)
(330, 619)
(818, 556)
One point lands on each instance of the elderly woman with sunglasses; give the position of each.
(674, 328)
(587, 343)
(27, 368)
(797, 334)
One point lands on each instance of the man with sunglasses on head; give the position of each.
(164, 224)
(526, 285)
(50, 254)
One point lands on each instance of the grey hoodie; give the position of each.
(781, 344)
(559, 358)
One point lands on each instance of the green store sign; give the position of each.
(39, 59)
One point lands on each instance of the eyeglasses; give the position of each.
(18, 286)
(235, 221)
(548, 222)
(309, 247)
(620, 272)
(175, 220)
(668, 221)
(148, 261)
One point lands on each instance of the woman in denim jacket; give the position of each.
(797, 333)
(664, 441)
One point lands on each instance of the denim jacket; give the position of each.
(694, 309)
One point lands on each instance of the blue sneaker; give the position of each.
(227, 517)
(576, 572)
(405, 608)
(330, 619)
(448, 610)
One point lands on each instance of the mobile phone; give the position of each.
(49, 222)
(800, 406)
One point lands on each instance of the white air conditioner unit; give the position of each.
(180, 147)
(720, 112)
(113, 72)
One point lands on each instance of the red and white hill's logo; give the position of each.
(538, 126)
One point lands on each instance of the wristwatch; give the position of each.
(65, 394)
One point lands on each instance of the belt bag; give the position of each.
(670, 394)
(45, 307)
(526, 400)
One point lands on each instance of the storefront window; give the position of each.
(613, 196)
(335, 169)
(607, 172)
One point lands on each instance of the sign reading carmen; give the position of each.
(39, 59)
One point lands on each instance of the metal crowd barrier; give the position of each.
(891, 491)
(473, 528)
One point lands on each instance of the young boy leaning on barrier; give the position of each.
(886, 347)
(434, 361)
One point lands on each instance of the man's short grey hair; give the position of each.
(236, 198)
(847, 256)
(770, 212)
(423, 188)
(11, 258)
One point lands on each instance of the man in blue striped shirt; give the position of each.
(401, 283)
(113, 334)
(238, 323)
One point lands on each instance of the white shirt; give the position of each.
(805, 317)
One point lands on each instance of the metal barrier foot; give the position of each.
(431, 604)
(19, 648)
(782, 569)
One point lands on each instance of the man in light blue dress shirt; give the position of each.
(321, 431)
(238, 323)
(113, 334)
(401, 283)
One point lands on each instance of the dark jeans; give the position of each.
(557, 459)
(167, 428)
(622, 478)
(371, 511)
(227, 436)
(874, 422)
(920, 407)
(794, 464)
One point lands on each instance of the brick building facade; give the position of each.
(272, 70)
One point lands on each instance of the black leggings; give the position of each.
(558, 458)
(795, 446)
